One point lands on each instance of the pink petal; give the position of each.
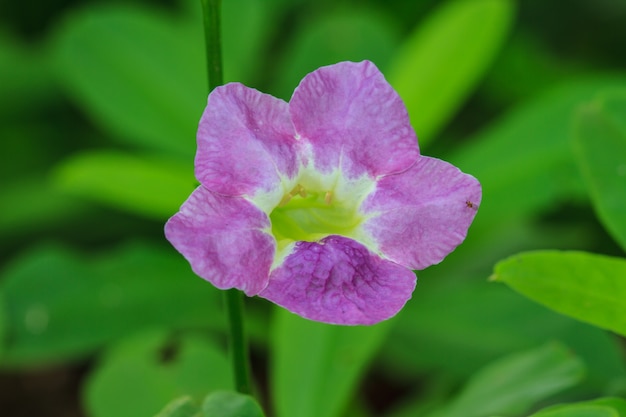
(424, 212)
(353, 117)
(223, 240)
(245, 141)
(337, 280)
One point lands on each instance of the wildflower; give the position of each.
(322, 205)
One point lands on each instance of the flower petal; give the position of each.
(223, 240)
(353, 120)
(423, 213)
(337, 280)
(245, 142)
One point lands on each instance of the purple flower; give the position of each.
(322, 205)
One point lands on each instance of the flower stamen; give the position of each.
(301, 191)
(297, 190)
(328, 197)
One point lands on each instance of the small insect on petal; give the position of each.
(471, 205)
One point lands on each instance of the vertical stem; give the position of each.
(233, 298)
(238, 342)
(212, 37)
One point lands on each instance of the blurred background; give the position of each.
(99, 103)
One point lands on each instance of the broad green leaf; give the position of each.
(137, 376)
(513, 384)
(363, 34)
(583, 410)
(139, 73)
(618, 404)
(443, 60)
(153, 187)
(588, 287)
(600, 148)
(230, 404)
(609, 406)
(180, 407)
(316, 367)
(60, 304)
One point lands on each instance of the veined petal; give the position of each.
(353, 120)
(223, 239)
(245, 142)
(338, 280)
(421, 215)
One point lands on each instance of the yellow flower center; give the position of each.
(310, 215)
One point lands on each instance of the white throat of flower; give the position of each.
(314, 205)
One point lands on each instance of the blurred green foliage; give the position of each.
(216, 404)
(99, 104)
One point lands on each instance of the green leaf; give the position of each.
(180, 407)
(588, 287)
(513, 384)
(140, 374)
(613, 407)
(230, 404)
(60, 304)
(618, 404)
(316, 367)
(153, 187)
(137, 72)
(600, 147)
(443, 60)
(578, 411)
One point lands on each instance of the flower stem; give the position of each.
(233, 298)
(212, 37)
(238, 343)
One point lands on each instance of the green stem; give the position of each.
(233, 298)
(238, 342)
(212, 37)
